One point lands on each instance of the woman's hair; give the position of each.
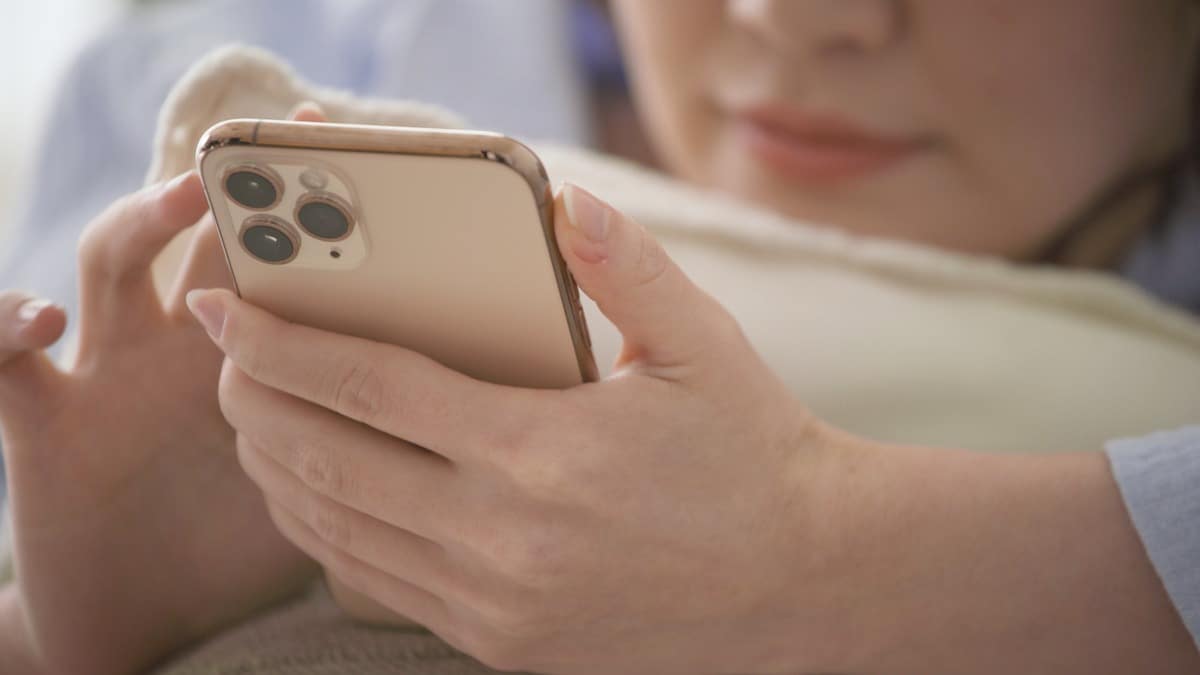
(1170, 173)
(1193, 147)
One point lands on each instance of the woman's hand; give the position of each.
(686, 514)
(135, 531)
(626, 525)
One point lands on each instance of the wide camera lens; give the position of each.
(323, 220)
(268, 243)
(251, 189)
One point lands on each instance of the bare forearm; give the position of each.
(17, 650)
(1000, 564)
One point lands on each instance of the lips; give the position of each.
(818, 149)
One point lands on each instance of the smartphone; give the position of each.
(439, 241)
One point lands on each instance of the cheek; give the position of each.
(1037, 132)
(666, 44)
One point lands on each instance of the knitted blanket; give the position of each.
(311, 636)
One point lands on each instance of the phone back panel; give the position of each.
(450, 256)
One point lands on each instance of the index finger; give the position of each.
(394, 390)
(117, 296)
(120, 244)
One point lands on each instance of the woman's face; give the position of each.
(977, 125)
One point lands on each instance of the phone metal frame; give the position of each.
(480, 145)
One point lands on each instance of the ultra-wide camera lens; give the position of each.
(251, 189)
(323, 219)
(268, 243)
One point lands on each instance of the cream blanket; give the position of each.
(893, 341)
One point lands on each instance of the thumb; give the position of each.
(665, 319)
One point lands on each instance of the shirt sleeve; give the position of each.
(1159, 479)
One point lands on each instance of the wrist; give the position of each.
(812, 615)
(947, 561)
(898, 554)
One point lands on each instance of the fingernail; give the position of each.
(306, 106)
(208, 310)
(29, 310)
(586, 213)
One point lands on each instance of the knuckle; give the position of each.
(246, 451)
(330, 524)
(231, 389)
(201, 268)
(251, 345)
(516, 447)
(248, 353)
(343, 569)
(544, 472)
(727, 328)
(544, 477)
(528, 451)
(527, 559)
(303, 535)
(652, 262)
(357, 390)
(90, 248)
(516, 616)
(289, 526)
(320, 468)
(103, 250)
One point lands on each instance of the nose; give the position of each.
(822, 27)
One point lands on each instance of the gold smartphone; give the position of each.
(439, 241)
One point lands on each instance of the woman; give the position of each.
(844, 555)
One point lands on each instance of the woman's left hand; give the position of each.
(651, 522)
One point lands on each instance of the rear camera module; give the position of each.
(268, 240)
(252, 188)
(324, 217)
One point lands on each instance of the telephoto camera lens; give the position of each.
(268, 243)
(323, 220)
(251, 189)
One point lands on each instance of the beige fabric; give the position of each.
(310, 636)
(894, 341)
(907, 344)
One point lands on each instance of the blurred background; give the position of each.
(35, 45)
(96, 72)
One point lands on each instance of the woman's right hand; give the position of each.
(135, 531)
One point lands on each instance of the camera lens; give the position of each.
(268, 243)
(323, 219)
(251, 189)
